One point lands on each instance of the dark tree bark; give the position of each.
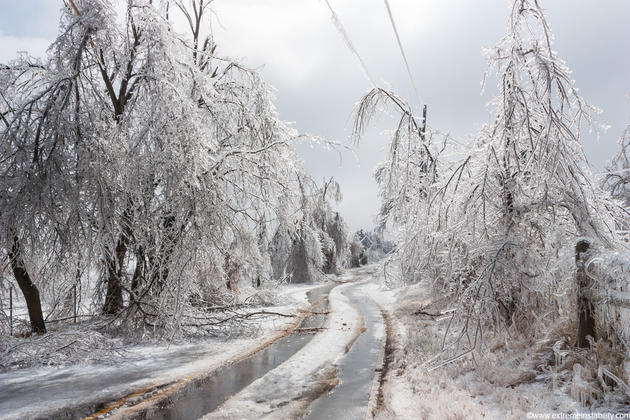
(138, 274)
(113, 298)
(167, 248)
(329, 262)
(115, 263)
(586, 319)
(29, 290)
(114, 260)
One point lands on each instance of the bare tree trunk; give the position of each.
(113, 298)
(115, 264)
(138, 274)
(30, 291)
(167, 248)
(586, 320)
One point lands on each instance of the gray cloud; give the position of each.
(318, 81)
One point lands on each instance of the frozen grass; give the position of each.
(64, 344)
(100, 339)
(505, 380)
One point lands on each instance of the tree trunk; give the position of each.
(114, 298)
(115, 264)
(138, 274)
(30, 291)
(162, 259)
(586, 320)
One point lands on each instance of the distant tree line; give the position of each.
(368, 247)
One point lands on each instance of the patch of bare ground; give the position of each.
(378, 404)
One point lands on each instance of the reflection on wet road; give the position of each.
(357, 369)
(201, 396)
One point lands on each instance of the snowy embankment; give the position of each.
(457, 390)
(286, 391)
(156, 370)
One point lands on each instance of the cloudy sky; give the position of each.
(297, 48)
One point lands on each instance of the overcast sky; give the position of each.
(298, 50)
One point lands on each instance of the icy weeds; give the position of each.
(501, 381)
(107, 340)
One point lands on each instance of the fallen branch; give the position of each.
(423, 312)
(308, 330)
(318, 313)
(66, 346)
(238, 316)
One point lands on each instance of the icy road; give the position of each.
(333, 376)
(327, 368)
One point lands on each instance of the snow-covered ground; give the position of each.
(41, 391)
(465, 389)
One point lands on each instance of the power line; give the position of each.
(344, 34)
(402, 51)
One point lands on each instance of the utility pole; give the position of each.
(423, 130)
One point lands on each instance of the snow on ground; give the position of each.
(455, 391)
(285, 391)
(30, 392)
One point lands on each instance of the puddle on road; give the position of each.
(350, 399)
(203, 395)
(200, 397)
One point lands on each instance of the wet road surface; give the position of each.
(198, 397)
(203, 396)
(349, 400)
(356, 371)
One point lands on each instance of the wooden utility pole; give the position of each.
(586, 320)
(423, 131)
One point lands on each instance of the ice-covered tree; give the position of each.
(313, 242)
(357, 251)
(617, 178)
(136, 155)
(493, 225)
(405, 178)
(45, 219)
(527, 192)
(332, 228)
